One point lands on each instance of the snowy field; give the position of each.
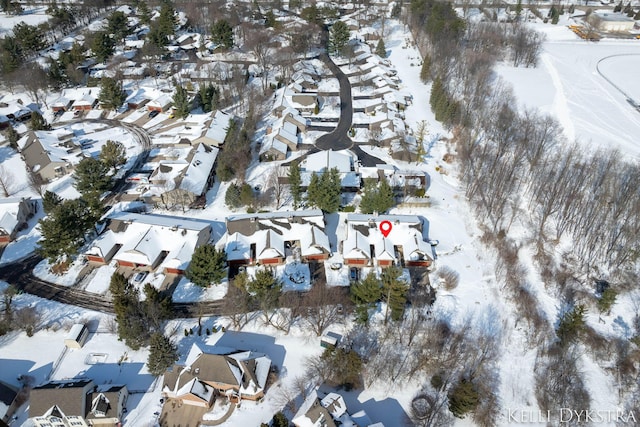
(567, 84)
(29, 16)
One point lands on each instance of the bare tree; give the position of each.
(278, 191)
(259, 42)
(27, 318)
(36, 183)
(325, 306)
(7, 182)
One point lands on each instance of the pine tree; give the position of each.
(222, 33)
(30, 37)
(208, 266)
(265, 289)
(463, 398)
(12, 55)
(425, 70)
(181, 102)
(381, 49)
(143, 12)
(394, 292)
(232, 196)
(112, 154)
(117, 25)
(376, 198)
(279, 420)
(338, 37)
(618, 7)
(167, 20)
(64, 228)
(295, 184)
(607, 300)
(162, 354)
(111, 96)
(38, 122)
(365, 294)
(92, 177)
(102, 46)
(571, 324)
(50, 201)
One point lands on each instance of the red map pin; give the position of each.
(385, 227)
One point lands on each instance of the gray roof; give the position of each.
(69, 396)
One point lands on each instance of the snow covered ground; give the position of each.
(571, 84)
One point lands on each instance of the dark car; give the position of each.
(153, 114)
(354, 274)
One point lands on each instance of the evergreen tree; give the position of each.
(265, 289)
(143, 12)
(209, 97)
(279, 420)
(92, 177)
(232, 196)
(607, 300)
(132, 327)
(324, 190)
(463, 398)
(64, 228)
(12, 136)
(295, 184)
(381, 49)
(519, 8)
(113, 154)
(12, 55)
(117, 25)
(246, 195)
(377, 198)
(181, 102)
(365, 294)
(207, 266)
(102, 46)
(345, 367)
(167, 20)
(50, 201)
(30, 37)
(38, 122)
(425, 70)
(627, 8)
(222, 33)
(162, 354)
(571, 324)
(394, 292)
(270, 19)
(156, 307)
(111, 96)
(637, 16)
(618, 7)
(338, 37)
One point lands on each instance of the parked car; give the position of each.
(153, 113)
(354, 274)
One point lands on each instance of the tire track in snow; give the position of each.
(560, 104)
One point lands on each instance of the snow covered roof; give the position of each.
(163, 101)
(196, 177)
(334, 404)
(238, 247)
(217, 131)
(268, 245)
(9, 211)
(144, 237)
(363, 231)
(328, 159)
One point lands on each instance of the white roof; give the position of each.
(334, 404)
(162, 101)
(75, 331)
(146, 236)
(196, 177)
(218, 128)
(313, 241)
(269, 244)
(103, 244)
(277, 145)
(238, 247)
(288, 135)
(356, 246)
(9, 209)
(328, 159)
(52, 145)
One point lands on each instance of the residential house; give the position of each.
(14, 214)
(87, 101)
(216, 134)
(288, 134)
(404, 246)
(236, 374)
(13, 110)
(50, 154)
(270, 238)
(149, 242)
(322, 161)
(329, 410)
(77, 403)
(160, 104)
(184, 181)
